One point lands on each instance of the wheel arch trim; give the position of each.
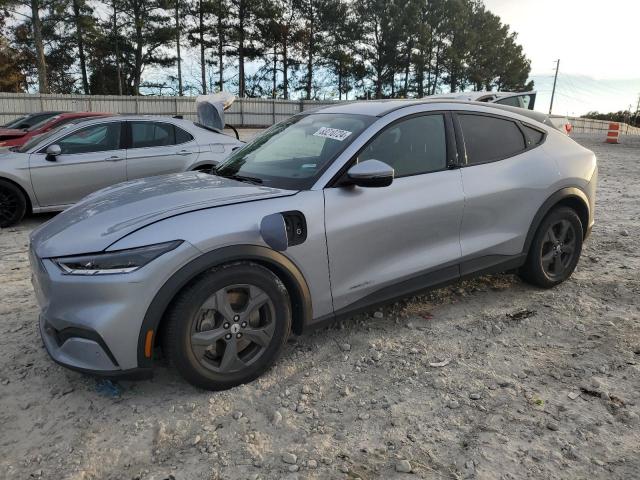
(567, 193)
(279, 264)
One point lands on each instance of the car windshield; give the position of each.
(41, 124)
(15, 123)
(36, 139)
(292, 154)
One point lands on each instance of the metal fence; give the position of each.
(245, 112)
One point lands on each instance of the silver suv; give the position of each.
(323, 215)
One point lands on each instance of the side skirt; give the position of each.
(425, 281)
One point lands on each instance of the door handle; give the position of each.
(184, 152)
(114, 158)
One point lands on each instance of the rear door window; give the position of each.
(488, 139)
(152, 134)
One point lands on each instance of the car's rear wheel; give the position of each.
(13, 204)
(228, 326)
(555, 249)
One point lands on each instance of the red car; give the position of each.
(10, 137)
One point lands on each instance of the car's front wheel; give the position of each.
(227, 326)
(555, 249)
(13, 204)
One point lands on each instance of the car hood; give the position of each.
(106, 216)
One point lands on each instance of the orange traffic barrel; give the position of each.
(613, 135)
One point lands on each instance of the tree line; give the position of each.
(621, 116)
(258, 48)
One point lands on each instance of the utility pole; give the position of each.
(555, 80)
(115, 32)
(177, 6)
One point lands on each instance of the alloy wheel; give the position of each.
(9, 204)
(233, 328)
(558, 249)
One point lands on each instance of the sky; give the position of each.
(596, 42)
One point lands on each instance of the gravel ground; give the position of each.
(487, 379)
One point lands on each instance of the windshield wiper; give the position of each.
(240, 178)
(243, 178)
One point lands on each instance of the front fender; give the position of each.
(280, 265)
(19, 174)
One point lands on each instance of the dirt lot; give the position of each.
(539, 384)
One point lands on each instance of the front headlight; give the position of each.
(121, 261)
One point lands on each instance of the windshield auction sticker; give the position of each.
(332, 133)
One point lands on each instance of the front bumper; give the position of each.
(92, 323)
(84, 351)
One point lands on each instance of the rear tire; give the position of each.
(555, 250)
(228, 326)
(13, 204)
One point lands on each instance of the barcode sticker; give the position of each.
(332, 133)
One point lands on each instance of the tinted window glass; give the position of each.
(27, 121)
(490, 138)
(182, 136)
(38, 118)
(45, 123)
(151, 134)
(535, 136)
(16, 122)
(520, 101)
(96, 138)
(42, 123)
(42, 137)
(413, 146)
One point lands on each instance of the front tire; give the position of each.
(13, 204)
(555, 250)
(228, 326)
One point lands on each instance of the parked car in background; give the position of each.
(56, 169)
(16, 137)
(27, 121)
(323, 215)
(525, 100)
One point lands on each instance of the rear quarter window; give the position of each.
(534, 135)
(488, 139)
(182, 136)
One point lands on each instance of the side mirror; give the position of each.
(52, 152)
(371, 173)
